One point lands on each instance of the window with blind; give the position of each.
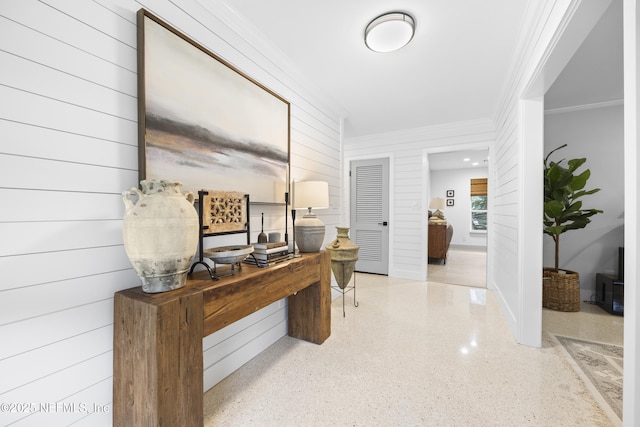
(479, 204)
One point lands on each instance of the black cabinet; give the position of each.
(610, 293)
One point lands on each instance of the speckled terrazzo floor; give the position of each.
(415, 354)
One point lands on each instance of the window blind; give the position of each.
(479, 186)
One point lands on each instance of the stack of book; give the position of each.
(268, 253)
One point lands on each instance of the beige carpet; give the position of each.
(600, 367)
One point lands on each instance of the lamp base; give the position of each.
(309, 232)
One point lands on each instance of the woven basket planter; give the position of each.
(560, 291)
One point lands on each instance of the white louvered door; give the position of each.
(370, 214)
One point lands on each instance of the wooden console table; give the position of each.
(157, 348)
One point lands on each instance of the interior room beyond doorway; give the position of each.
(451, 175)
(465, 266)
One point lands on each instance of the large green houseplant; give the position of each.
(563, 189)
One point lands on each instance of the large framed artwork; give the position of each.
(204, 123)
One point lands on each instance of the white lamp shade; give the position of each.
(437, 203)
(310, 194)
(389, 32)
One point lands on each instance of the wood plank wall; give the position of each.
(68, 132)
(506, 178)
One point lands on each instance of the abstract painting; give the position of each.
(205, 123)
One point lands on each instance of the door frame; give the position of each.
(577, 23)
(346, 197)
(426, 196)
(631, 373)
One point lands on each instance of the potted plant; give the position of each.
(563, 211)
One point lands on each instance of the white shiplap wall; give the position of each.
(408, 184)
(547, 41)
(68, 132)
(504, 239)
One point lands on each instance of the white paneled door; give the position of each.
(370, 214)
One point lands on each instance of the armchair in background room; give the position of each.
(440, 235)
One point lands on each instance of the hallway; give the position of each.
(414, 354)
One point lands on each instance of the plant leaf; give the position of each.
(553, 208)
(574, 164)
(574, 207)
(585, 193)
(555, 230)
(578, 182)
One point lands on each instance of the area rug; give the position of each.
(600, 367)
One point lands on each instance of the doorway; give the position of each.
(459, 180)
(369, 213)
(532, 102)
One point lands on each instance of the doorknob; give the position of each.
(384, 223)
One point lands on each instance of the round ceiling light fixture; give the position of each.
(389, 32)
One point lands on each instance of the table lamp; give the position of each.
(437, 203)
(309, 230)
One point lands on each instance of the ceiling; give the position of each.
(452, 71)
(464, 159)
(594, 73)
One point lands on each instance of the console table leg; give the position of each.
(310, 308)
(158, 355)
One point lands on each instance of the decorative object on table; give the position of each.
(160, 233)
(274, 237)
(262, 237)
(437, 203)
(563, 212)
(292, 247)
(268, 245)
(450, 193)
(309, 231)
(270, 253)
(232, 255)
(205, 122)
(344, 255)
(287, 201)
(450, 202)
(221, 212)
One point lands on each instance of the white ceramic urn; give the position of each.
(160, 233)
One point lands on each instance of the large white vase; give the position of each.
(160, 233)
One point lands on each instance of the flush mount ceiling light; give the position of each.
(389, 32)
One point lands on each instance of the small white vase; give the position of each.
(160, 233)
